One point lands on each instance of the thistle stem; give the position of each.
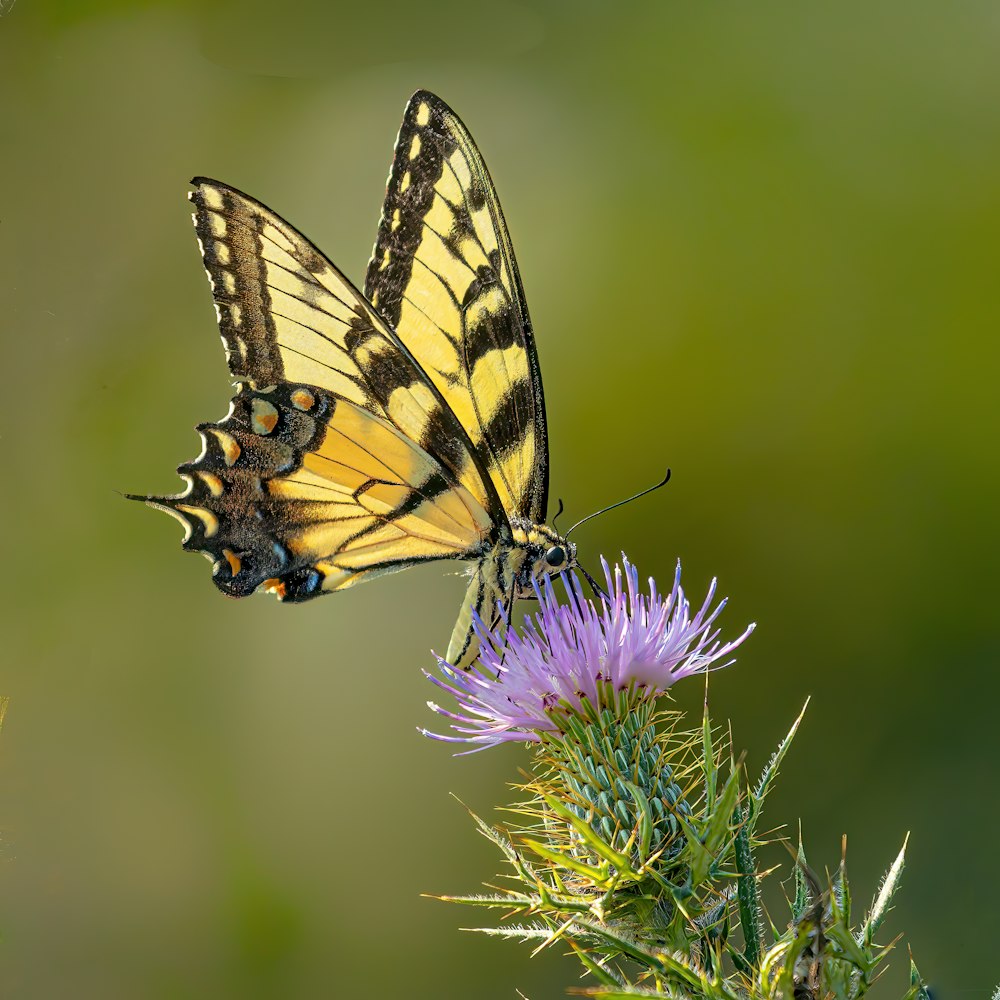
(746, 891)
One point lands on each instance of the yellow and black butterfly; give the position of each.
(374, 432)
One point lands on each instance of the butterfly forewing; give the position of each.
(444, 277)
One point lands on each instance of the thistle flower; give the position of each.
(576, 658)
(636, 843)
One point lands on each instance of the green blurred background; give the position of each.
(759, 243)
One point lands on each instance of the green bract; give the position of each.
(637, 848)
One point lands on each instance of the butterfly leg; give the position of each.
(594, 585)
(508, 611)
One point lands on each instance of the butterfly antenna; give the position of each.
(557, 513)
(604, 510)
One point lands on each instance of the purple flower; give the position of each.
(566, 654)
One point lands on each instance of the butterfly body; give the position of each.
(374, 431)
(510, 568)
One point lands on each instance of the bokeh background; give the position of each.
(759, 244)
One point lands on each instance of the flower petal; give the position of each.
(527, 679)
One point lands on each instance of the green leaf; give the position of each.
(883, 901)
(803, 896)
(771, 771)
(518, 931)
(492, 834)
(840, 933)
(603, 975)
(708, 755)
(521, 864)
(841, 895)
(672, 969)
(697, 857)
(601, 877)
(618, 993)
(918, 988)
(503, 901)
(645, 819)
(777, 970)
(716, 833)
(643, 956)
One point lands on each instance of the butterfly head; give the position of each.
(547, 553)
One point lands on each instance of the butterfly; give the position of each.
(374, 431)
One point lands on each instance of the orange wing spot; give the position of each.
(235, 563)
(263, 416)
(303, 399)
(274, 586)
(230, 446)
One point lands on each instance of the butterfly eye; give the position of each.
(556, 556)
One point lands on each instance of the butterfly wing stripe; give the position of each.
(241, 299)
(533, 463)
(337, 577)
(443, 275)
(464, 214)
(512, 454)
(447, 511)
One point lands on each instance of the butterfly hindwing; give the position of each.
(300, 492)
(444, 277)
